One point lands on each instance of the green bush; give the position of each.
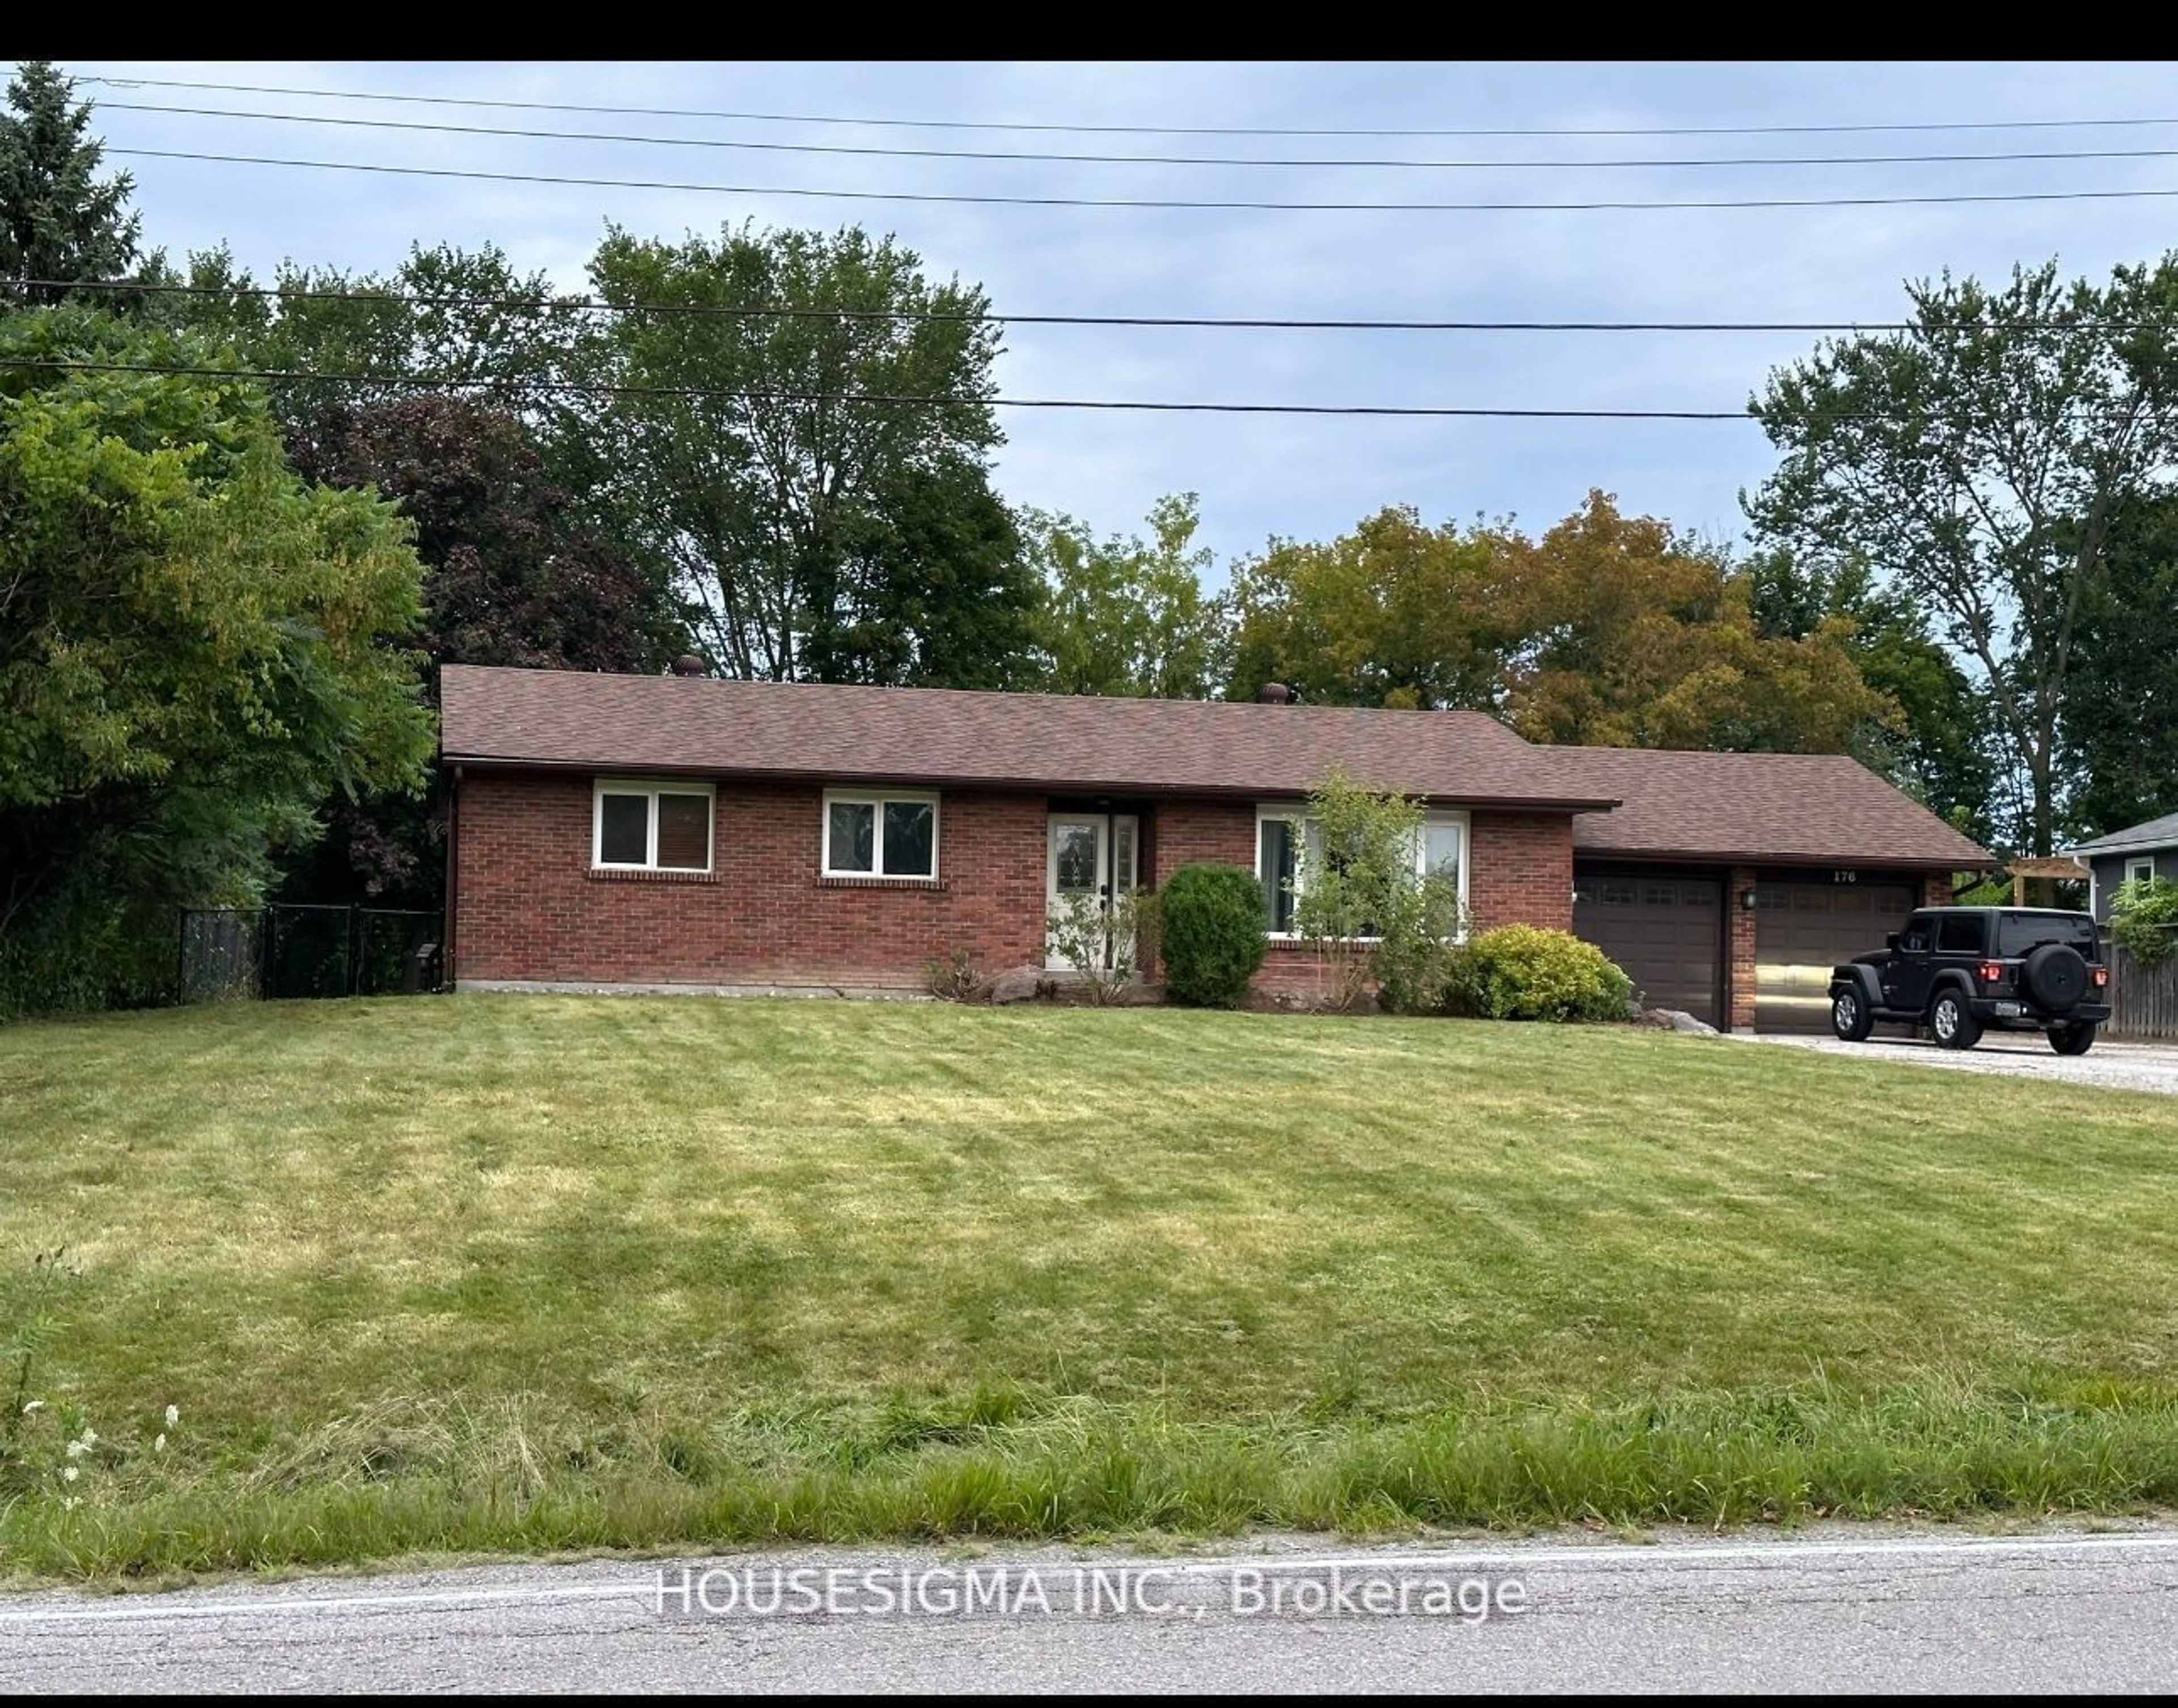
(1373, 916)
(1528, 972)
(1210, 926)
(2143, 919)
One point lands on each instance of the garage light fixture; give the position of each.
(1747, 900)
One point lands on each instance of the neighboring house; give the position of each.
(2142, 851)
(681, 832)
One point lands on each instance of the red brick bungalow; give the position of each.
(684, 832)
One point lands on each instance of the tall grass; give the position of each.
(423, 1477)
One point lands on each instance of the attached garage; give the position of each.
(1803, 930)
(1667, 932)
(1810, 859)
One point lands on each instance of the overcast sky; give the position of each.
(1257, 476)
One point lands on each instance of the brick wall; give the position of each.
(1520, 870)
(1936, 890)
(529, 906)
(1222, 831)
(1520, 866)
(1739, 924)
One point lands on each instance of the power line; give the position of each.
(1178, 203)
(897, 153)
(595, 388)
(725, 311)
(1923, 125)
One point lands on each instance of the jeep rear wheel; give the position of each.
(1849, 1017)
(2075, 1040)
(1953, 1022)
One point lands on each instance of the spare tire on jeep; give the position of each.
(2054, 977)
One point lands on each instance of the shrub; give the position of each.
(954, 979)
(2144, 919)
(1212, 923)
(1104, 946)
(1528, 972)
(1363, 902)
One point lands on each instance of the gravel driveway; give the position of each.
(2026, 1054)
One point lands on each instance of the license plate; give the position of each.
(2008, 1011)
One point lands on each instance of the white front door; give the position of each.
(1093, 858)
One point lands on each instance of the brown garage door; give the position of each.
(1665, 932)
(1801, 931)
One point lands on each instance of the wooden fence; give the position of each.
(2143, 1000)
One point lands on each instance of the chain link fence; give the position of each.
(294, 949)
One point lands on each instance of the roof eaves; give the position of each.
(1062, 785)
(2120, 844)
(1786, 857)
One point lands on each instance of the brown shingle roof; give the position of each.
(1767, 808)
(848, 735)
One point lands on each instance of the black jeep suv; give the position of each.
(1958, 970)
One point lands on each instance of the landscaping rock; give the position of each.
(1021, 985)
(1674, 1020)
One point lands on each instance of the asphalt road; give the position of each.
(2025, 1055)
(1841, 1612)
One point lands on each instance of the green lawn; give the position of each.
(488, 1272)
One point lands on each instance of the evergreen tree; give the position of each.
(57, 220)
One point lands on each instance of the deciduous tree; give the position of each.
(514, 575)
(935, 589)
(1977, 459)
(790, 441)
(1632, 634)
(1940, 750)
(1127, 615)
(195, 650)
(1394, 614)
(2120, 710)
(457, 322)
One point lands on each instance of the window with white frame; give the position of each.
(2140, 870)
(1287, 840)
(638, 825)
(884, 833)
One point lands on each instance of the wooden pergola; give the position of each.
(2057, 867)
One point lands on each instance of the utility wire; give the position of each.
(1922, 125)
(592, 305)
(599, 389)
(1198, 205)
(1167, 159)
(594, 388)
